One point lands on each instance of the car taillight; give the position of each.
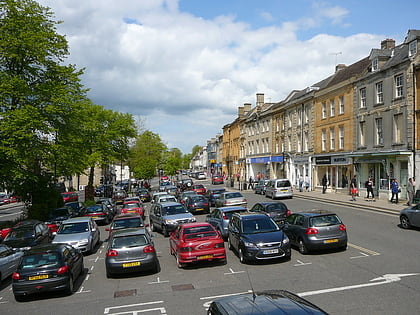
(244, 200)
(16, 276)
(186, 249)
(219, 245)
(342, 227)
(311, 231)
(63, 270)
(111, 253)
(205, 204)
(149, 249)
(288, 213)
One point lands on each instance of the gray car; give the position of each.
(168, 215)
(231, 198)
(220, 217)
(410, 217)
(9, 260)
(81, 233)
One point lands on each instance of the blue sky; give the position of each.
(183, 67)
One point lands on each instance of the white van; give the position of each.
(279, 188)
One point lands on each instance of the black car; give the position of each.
(255, 236)
(197, 204)
(27, 234)
(100, 213)
(109, 204)
(278, 211)
(212, 194)
(60, 214)
(270, 302)
(144, 195)
(76, 206)
(52, 267)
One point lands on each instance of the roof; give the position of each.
(355, 69)
(195, 224)
(77, 220)
(315, 212)
(231, 208)
(45, 248)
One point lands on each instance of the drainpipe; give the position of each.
(414, 121)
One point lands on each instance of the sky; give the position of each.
(183, 67)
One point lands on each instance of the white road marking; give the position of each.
(301, 263)
(363, 255)
(91, 268)
(233, 272)
(97, 258)
(108, 309)
(158, 281)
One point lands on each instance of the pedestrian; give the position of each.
(369, 189)
(410, 191)
(251, 183)
(324, 183)
(300, 183)
(306, 183)
(353, 188)
(395, 189)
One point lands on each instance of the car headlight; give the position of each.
(249, 244)
(83, 241)
(193, 219)
(286, 240)
(167, 221)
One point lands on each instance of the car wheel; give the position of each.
(229, 244)
(178, 263)
(156, 268)
(165, 231)
(152, 227)
(302, 247)
(70, 286)
(405, 223)
(19, 298)
(241, 256)
(108, 275)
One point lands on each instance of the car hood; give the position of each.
(26, 242)
(65, 238)
(269, 237)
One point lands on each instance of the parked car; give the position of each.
(167, 216)
(198, 204)
(261, 186)
(279, 188)
(184, 196)
(6, 199)
(133, 207)
(70, 196)
(264, 302)
(109, 203)
(144, 194)
(231, 198)
(130, 250)
(217, 179)
(201, 175)
(316, 229)
(255, 236)
(119, 196)
(193, 242)
(125, 221)
(220, 217)
(212, 194)
(165, 198)
(278, 211)
(81, 233)
(100, 213)
(27, 234)
(76, 206)
(60, 214)
(410, 217)
(9, 260)
(51, 267)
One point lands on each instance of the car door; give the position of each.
(415, 215)
(234, 232)
(290, 227)
(95, 232)
(174, 240)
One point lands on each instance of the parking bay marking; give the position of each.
(206, 305)
(158, 281)
(233, 272)
(161, 309)
(301, 263)
(363, 251)
(385, 279)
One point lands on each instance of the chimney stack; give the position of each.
(388, 44)
(260, 99)
(339, 67)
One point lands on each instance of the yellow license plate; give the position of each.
(132, 264)
(334, 240)
(40, 277)
(199, 209)
(95, 218)
(205, 257)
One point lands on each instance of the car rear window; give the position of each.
(233, 195)
(127, 223)
(131, 205)
(283, 183)
(199, 232)
(39, 260)
(229, 214)
(325, 220)
(276, 207)
(70, 228)
(93, 209)
(129, 241)
(174, 210)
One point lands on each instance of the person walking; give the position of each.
(324, 183)
(353, 188)
(251, 183)
(410, 191)
(369, 189)
(300, 183)
(306, 183)
(395, 189)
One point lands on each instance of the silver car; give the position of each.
(231, 198)
(220, 217)
(9, 260)
(410, 217)
(81, 233)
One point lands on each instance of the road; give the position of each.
(379, 273)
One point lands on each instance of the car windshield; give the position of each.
(127, 223)
(276, 207)
(59, 212)
(71, 228)
(284, 183)
(94, 209)
(40, 260)
(171, 210)
(325, 220)
(199, 232)
(21, 233)
(259, 225)
(233, 195)
(129, 241)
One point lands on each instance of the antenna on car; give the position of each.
(250, 284)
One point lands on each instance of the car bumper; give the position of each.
(215, 254)
(253, 253)
(30, 287)
(333, 242)
(128, 266)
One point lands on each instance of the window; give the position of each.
(332, 139)
(324, 110)
(341, 104)
(362, 133)
(290, 119)
(299, 142)
(412, 48)
(277, 124)
(399, 86)
(375, 64)
(289, 143)
(362, 95)
(379, 131)
(324, 140)
(332, 108)
(299, 116)
(277, 147)
(379, 93)
(306, 114)
(398, 125)
(341, 137)
(306, 142)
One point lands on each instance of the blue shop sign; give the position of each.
(267, 159)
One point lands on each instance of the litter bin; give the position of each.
(232, 182)
(244, 186)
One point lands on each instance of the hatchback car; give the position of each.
(410, 217)
(109, 203)
(27, 234)
(199, 189)
(133, 207)
(130, 250)
(256, 236)
(70, 196)
(168, 215)
(220, 217)
(76, 206)
(125, 221)
(264, 302)
(119, 196)
(9, 260)
(231, 198)
(279, 188)
(217, 179)
(261, 186)
(81, 233)
(51, 267)
(212, 194)
(144, 195)
(278, 211)
(184, 196)
(100, 213)
(315, 230)
(197, 204)
(193, 242)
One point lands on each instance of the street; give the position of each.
(379, 273)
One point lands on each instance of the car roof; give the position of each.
(315, 212)
(170, 203)
(195, 224)
(126, 216)
(250, 215)
(77, 220)
(45, 248)
(129, 232)
(231, 208)
(266, 203)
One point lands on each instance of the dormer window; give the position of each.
(375, 64)
(412, 48)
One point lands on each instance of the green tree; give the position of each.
(173, 161)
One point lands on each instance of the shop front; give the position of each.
(336, 169)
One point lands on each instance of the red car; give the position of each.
(70, 196)
(193, 242)
(199, 189)
(217, 179)
(133, 207)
